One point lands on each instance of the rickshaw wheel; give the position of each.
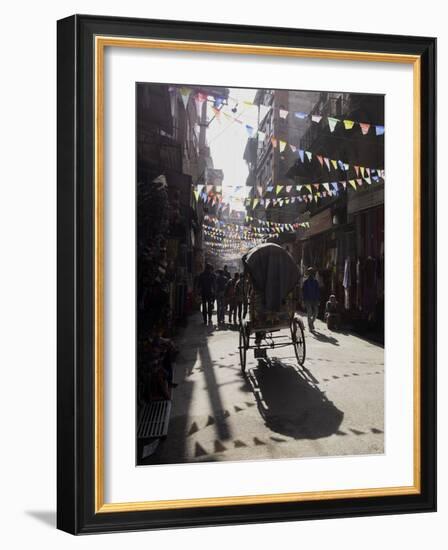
(298, 340)
(243, 347)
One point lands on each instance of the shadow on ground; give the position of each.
(47, 517)
(291, 403)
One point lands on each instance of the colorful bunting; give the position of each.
(364, 128)
(332, 123)
(185, 95)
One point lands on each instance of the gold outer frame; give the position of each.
(101, 42)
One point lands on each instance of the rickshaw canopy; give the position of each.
(273, 273)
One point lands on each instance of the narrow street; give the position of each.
(332, 406)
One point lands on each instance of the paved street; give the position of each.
(333, 406)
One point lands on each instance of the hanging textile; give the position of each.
(346, 283)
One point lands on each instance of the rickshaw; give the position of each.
(271, 278)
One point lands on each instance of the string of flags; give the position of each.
(213, 224)
(311, 191)
(333, 122)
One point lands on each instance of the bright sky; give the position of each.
(227, 140)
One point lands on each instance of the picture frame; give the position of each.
(82, 42)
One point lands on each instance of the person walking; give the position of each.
(311, 297)
(207, 289)
(239, 297)
(221, 282)
(231, 297)
(226, 273)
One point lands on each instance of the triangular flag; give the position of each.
(364, 128)
(316, 118)
(282, 145)
(327, 186)
(288, 188)
(185, 95)
(379, 130)
(344, 184)
(260, 189)
(316, 185)
(301, 154)
(309, 155)
(250, 130)
(217, 113)
(359, 181)
(334, 163)
(255, 203)
(209, 188)
(348, 124)
(274, 141)
(368, 180)
(320, 159)
(357, 170)
(309, 188)
(200, 188)
(278, 189)
(196, 195)
(199, 101)
(293, 148)
(332, 123)
(267, 202)
(283, 113)
(346, 166)
(353, 184)
(362, 171)
(327, 163)
(335, 185)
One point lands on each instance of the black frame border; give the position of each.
(76, 262)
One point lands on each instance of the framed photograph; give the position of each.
(246, 274)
